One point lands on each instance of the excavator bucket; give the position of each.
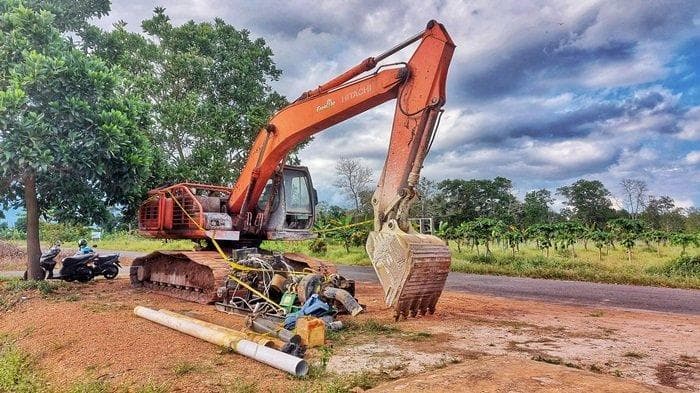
(412, 269)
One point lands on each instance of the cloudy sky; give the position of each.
(541, 92)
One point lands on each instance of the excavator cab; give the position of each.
(288, 203)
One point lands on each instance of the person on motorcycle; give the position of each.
(83, 247)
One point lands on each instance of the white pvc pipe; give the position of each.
(234, 340)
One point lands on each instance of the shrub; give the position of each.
(358, 238)
(681, 266)
(318, 246)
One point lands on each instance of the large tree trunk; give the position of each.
(34, 271)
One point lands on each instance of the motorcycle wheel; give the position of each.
(83, 274)
(111, 272)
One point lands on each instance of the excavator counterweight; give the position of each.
(274, 201)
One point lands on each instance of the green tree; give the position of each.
(71, 138)
(658, 237)
(684, 240)
(692, 221)
(543, 234)
(484, 230)
(72, 15)
(627, 231)
(466, 200)
(536, 207)
(209, 83)
(567, 233)
(445, 231)
(600, 239)
(589, 201)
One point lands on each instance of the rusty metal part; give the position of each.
(411, 267)
(345, 298)
(193, 276)
(317, 265)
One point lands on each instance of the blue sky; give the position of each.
(541, 92)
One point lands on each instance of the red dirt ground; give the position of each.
(473, 343)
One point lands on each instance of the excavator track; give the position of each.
(412, 269)
(193, 276)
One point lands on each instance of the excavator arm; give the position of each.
(411, 267)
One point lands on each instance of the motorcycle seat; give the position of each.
(78, 258)
(49, 254)
(103, 258)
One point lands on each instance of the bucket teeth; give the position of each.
(412, 269)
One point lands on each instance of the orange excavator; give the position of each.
(271, 200)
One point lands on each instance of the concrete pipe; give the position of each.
(223, 337)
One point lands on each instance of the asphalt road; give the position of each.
(681, 301)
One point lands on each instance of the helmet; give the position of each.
(82, 243)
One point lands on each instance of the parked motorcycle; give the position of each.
(79, 267)
(106, 265)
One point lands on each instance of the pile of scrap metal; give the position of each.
(279, 285)
(288, 308)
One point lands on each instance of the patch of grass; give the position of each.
(185, 367)
(418, 336)
(240, 385)
(152, 388)
(538, 266)
(18, 372)
(72, 297)
(547, 359)
(596, 314)
(684, 266)
(318, 369)
(90, 386)
(45, 287)
(344, 383)
(369, 327)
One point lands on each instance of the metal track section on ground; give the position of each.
(189, 275)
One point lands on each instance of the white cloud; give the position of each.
(690, 125)
(542, 92)
(693, 158)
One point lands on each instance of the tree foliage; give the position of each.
(209, 85)
(536, 207)
(589, 201)
(465, 200)
(71, 137)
